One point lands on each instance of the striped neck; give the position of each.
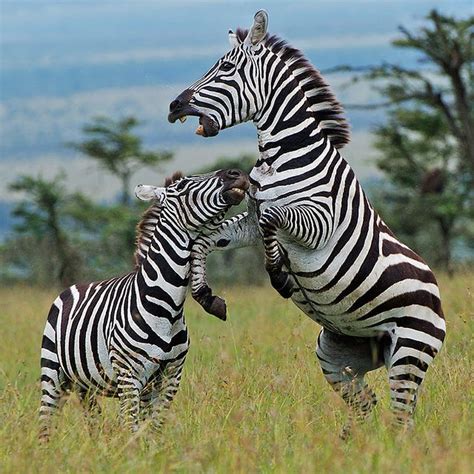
(291, 141)
(164, 273)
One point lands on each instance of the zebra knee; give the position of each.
(282, 282)
(403, 395)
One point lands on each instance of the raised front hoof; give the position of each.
(211, 304)
(218, 308)
(282, 283)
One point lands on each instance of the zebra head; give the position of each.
(231, 91)
(200, 201)
(263, 79)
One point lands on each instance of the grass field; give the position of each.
(252, 400)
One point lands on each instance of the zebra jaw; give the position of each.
(183, 118)
(238, 191)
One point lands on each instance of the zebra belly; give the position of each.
(343, 324)
(364, 308)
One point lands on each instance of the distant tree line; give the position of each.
(426, 147)
(426, 155)
(62, 237)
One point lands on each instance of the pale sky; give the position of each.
(64, 62)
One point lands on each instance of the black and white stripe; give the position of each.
(127, 336)
(325, 246)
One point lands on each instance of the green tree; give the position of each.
(427, 145)
(118, 150)
(63, 238)
(41, 215)
(107, 234)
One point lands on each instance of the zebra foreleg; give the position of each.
(146, 403)
(90, 406)
(345, 361)
(129, 394)
(89, 403)
(272, 220)
(164, 394)
(239, 231)
(148, 395)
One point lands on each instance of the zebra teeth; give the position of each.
(183, 118)
(238, 191)
(200, 130)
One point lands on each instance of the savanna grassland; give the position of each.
(252, 399)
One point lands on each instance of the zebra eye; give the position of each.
(226, 66)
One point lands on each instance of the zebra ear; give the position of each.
(146, 192)
(259, 28)
(233, 39)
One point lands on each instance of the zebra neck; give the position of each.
(291, 143)
(165, 269)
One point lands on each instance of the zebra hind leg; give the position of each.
(345, 361)
(53, 396)
(411, 353)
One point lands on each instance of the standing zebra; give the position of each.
(127, 336)
(325, 246)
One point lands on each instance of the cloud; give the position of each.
(143, 55)
(140, 55)
(48, 122)
(345, 41)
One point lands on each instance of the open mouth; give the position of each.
(208, 127)
(235, 195)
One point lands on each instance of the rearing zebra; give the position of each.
(127, 336)
(325, 246)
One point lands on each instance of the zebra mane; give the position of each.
(147, 224)
(327, 110)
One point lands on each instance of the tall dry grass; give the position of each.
(252, 400)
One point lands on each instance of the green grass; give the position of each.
(252, 399)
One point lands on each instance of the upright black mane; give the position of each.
(327, 110)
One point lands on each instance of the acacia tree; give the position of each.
(41, 219)
(117, 149)
(427, 144)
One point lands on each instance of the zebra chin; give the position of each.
(180, 109)
(208, 127)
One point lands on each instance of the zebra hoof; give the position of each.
(218, 308)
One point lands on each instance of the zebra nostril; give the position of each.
(233, 174)
(174, 105)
